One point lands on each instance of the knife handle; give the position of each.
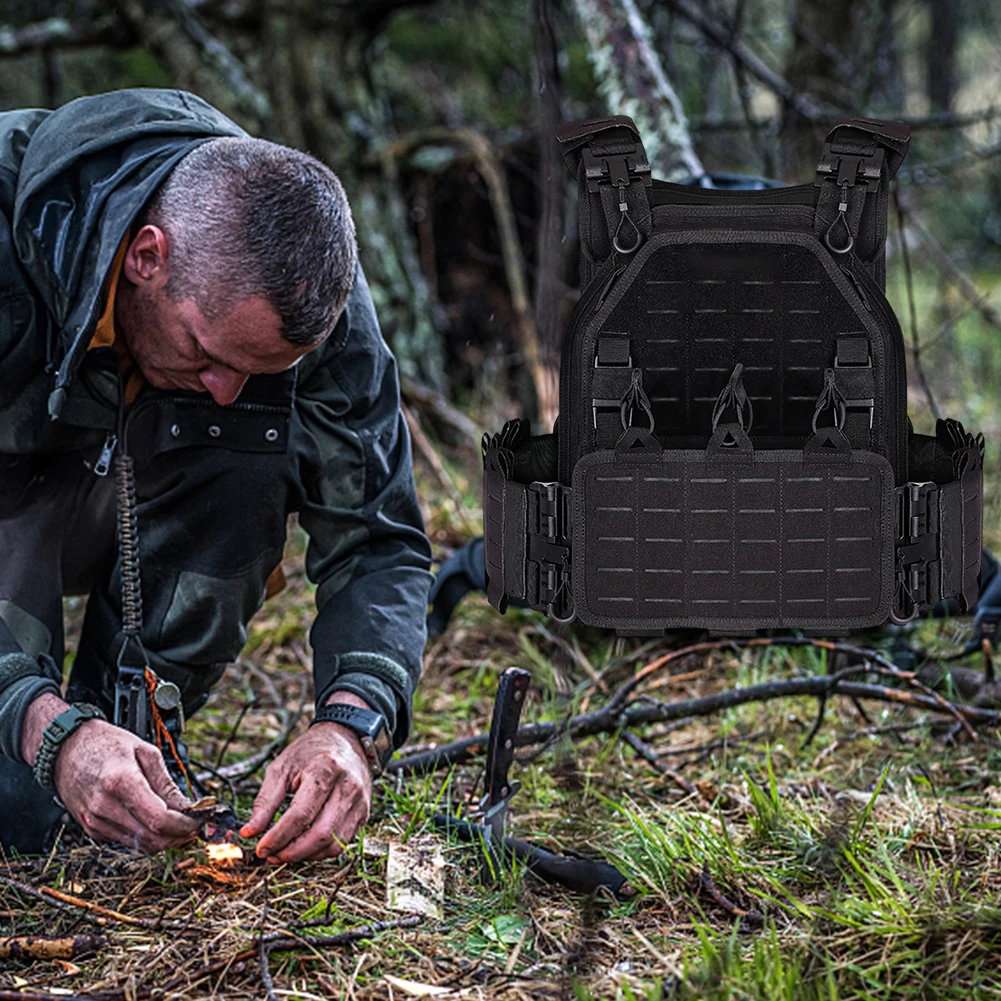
(511, 691)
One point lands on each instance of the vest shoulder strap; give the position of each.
(607, 158)
(859, 157)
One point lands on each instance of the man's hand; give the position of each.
(327, 771)
(113, 783)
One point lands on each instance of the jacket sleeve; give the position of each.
(368, 554)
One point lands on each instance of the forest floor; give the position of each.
(865, 864)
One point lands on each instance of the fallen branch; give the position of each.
(614, 717)
(42, 947)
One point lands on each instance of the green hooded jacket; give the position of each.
(71, 183)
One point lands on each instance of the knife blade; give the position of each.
(511, 691)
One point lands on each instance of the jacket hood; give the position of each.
(87, 172)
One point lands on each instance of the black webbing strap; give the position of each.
(939, 531)
(607, 157)
(853, 377)
(853, 176)
(610, 381)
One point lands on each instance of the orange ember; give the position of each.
(224, 854)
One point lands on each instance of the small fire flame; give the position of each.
(225, 854)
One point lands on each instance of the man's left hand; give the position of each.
(328, 773)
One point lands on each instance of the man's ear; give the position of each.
(147, 259)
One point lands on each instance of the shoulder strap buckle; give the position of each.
(848, 168)
(615, 167)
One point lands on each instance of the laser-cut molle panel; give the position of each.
(693, 312)
(777, 542)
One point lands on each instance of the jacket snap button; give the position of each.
(214, 431)
(175, 431)
(271, 434)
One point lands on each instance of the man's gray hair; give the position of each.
(246, 218)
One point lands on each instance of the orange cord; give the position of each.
(160, 729)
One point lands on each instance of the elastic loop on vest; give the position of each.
(830, 397)
(636, 397)
(733, 394)
(843, 219)
(623, 219)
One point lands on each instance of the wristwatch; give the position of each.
(369, 726)
(56, 734)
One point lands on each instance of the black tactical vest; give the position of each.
(733, 451)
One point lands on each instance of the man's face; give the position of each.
(177, 347)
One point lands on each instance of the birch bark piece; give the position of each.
(415, 877)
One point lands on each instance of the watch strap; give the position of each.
(56, 734)
(369, 726)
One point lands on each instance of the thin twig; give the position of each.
(99, 915)
(648, 754)
(233, 732)
(245, 768)
(262, 949)
(423, 445)
(750, 919)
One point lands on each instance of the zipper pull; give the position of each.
(103, 463)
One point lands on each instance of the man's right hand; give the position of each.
(115, 785)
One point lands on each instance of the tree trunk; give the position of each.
(550, 286)
(632, 79)
(940, 53)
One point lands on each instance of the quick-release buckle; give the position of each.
(916, 549)
(849, 168)
(615, 168)
(549, 547)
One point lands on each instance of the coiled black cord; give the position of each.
(128, 544)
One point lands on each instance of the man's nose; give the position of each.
(223, 383)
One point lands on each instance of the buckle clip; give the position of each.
(848, 168)
(615, 168)
(549, 547)
(916, 549)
